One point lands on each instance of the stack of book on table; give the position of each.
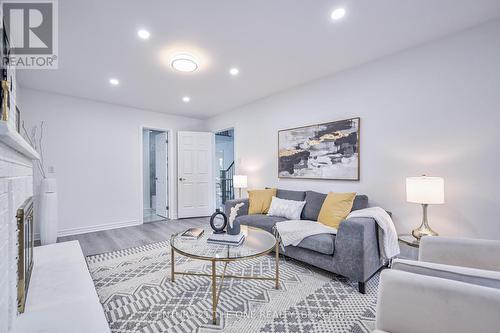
(225, 239)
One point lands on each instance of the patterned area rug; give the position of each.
(137, 295)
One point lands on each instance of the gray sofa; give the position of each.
(353, 252)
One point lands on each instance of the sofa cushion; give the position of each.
(260, 200)
(291, 195)
(360, 202)
(290, 209)
(259, 221)
(314, 201)
(322, 243)
(335, 208)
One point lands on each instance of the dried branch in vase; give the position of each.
(35, 141)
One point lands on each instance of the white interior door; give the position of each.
(161, 174)
(196, 183)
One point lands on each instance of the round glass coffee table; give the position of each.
(258, 242)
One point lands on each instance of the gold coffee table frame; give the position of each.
(226, 261)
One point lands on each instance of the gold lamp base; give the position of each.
(423, 229)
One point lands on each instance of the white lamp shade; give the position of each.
(240, 181)
(425, 190)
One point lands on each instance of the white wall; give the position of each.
(96, 151)
(434, 110)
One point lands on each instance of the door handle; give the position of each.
(182, 179)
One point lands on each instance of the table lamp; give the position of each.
(239, 182)
(425, 191)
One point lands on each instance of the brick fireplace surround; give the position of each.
(16, 185)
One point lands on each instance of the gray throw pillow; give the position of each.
(314, 201)
(360, 202)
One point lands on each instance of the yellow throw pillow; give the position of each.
(335, 208)
(260, 200)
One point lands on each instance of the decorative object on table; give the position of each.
(323, 151)
(425, 191)
(239, 182)
(46, 204)
(218, 221)
(226, 239)
(18, 120)
(233, 229)
(192, 233)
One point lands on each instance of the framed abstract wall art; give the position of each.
(323, 151)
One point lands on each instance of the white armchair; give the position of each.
(465, 252)
(454, 287)
(467, 260)
(413, 303)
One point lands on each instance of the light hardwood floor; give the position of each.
(122, 238)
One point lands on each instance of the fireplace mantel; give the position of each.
(10, 137)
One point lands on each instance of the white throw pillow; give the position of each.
(289, 209)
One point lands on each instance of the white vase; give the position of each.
(48, 217)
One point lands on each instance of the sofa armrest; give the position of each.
(411, 303)
(356, 248)
(473, 253)
(479, 277)
(231, 203)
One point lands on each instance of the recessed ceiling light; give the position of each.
(338, 13)
(184, 63)
(143, 34)
(186, 99)
(114, 82)
(234, 71)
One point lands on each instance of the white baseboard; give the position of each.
(94, 228)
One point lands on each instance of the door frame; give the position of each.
(235, 151)
(237, 171)
(170, 171)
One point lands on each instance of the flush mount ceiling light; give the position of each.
(338, 13)
(184, 63)
(143, 34)
(234, 71)
(114, 82)
(186, 99)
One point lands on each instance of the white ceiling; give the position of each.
(276, 44)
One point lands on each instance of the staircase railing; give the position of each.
(226, 182)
